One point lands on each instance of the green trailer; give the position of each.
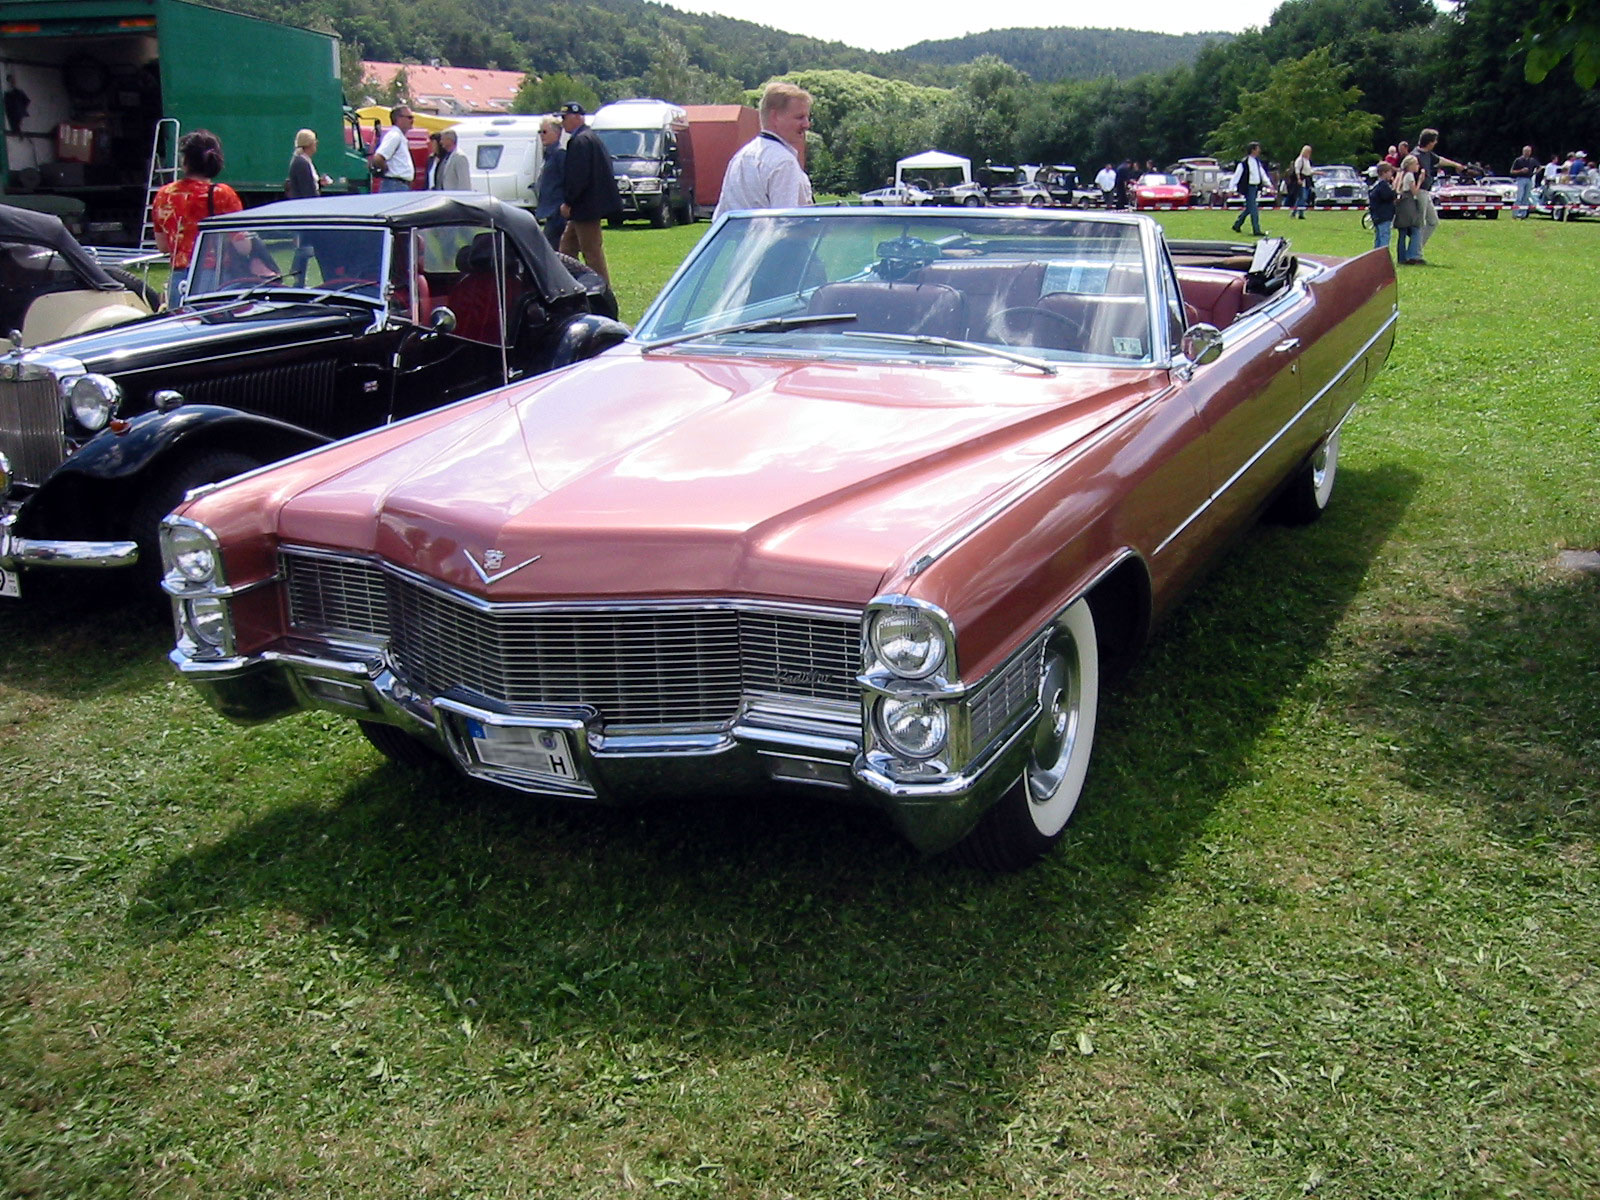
(95, 90)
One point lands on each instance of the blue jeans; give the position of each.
(1380, 233)
(1251, 209)
(1410, 244)
(1524, 196)
(389, 184)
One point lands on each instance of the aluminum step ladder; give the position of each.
(163, 170)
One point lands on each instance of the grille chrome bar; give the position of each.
(32, 427)
(649, 664)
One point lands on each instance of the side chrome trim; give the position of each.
(1277, 437)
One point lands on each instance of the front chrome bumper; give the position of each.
(761, 746)
(20, 552)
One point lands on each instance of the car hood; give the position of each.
(211, 327)
(678, 474)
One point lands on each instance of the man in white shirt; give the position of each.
(766, 172)
(1249, 177)
(391, 162)
(1106, 181)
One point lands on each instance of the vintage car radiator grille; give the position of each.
(31, 431)
(651, 665)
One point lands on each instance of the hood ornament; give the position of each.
(489, 570)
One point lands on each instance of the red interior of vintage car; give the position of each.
(1004, 301)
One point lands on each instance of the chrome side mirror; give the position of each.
(442, 320)
(1202, 343)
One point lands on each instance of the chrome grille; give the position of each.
(336, 597)
(32, 435)
(1003, 697)
(655, 664)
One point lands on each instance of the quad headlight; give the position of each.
(189, 553)
(93, 399)
(908, 641)
(913, 728)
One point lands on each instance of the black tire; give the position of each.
(1308, 494)
(614, 222)
(1030, 818)
(972, 202)
(137, 286)
(662, 216)
(209, 466)
(689, 215)
(400, 747)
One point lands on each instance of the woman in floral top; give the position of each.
(179, 207)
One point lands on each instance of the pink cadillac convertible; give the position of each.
(861, 506)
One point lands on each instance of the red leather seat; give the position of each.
(929, 309)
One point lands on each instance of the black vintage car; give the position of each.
(304, 322)
(51, 287)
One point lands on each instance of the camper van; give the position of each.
(653, 158)
(504, 155)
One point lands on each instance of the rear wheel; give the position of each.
(662, 216)
(1030, 817)
(1311, 490)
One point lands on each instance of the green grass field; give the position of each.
(1328, 924)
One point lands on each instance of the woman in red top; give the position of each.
(179, 207)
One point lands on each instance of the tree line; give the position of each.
(1348, 76)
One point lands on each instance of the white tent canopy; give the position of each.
(933, 159)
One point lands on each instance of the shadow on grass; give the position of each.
(76, 636)
(1499, 707)
(745, 926)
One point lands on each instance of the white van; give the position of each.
(505, 156)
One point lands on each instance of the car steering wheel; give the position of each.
(995, 328)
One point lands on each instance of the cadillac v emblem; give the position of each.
(489, 570)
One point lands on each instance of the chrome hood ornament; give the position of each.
(489, 571)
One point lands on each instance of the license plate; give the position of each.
(10, 584)
(536, 751)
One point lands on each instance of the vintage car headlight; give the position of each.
(914, 728)
(189, 551)
(205, 619)
(908, 641)
(93, 399)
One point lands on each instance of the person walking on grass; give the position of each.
(1249, 177)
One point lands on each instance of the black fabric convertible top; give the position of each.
(420, 210)
(44, 230)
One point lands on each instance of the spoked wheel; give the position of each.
(1030, 817)
(1308, 494)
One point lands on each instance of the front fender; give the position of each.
(584, 337)
(116, 456)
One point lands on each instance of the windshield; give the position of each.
(239, 258)
(1066, 290)
(631, 143)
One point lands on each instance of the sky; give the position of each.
(877, 25)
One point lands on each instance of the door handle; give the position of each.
(1287, 345)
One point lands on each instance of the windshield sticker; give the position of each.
(1128, 347)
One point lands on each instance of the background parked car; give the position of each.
(306, 321)
(1338, 187)
(50, 287)
(1159, 192)
(1455, 198)
(895, 194)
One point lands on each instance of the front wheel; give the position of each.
(1030, 817)
(972, 202)
(209, 466)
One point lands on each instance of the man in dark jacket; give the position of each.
(591, 191)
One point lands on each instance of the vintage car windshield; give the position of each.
(350, 260)
(1065, 290)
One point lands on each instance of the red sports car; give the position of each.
(1155, 192)
(861, 507)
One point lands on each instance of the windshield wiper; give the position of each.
(769, 325)
(924, 339)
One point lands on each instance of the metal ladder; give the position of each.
(163, 170)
